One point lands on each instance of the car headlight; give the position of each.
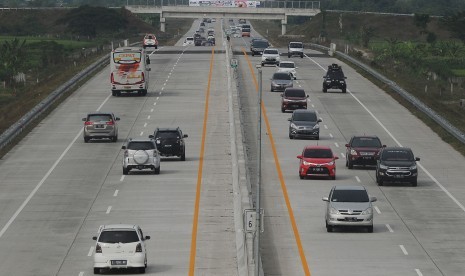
(384, 167)
(330, 163)
(306, 163)
(341, 81)
(317, 126)
(293, 126)
(278, 58)
(353, 152)
(413, 167)
(368, 211)
(274, 83)
(333, 211)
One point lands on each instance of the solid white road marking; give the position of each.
(403, 249)
(108, 209)
(141, 133)
(122, 178)
(389, 228)
(377, 210)
(145, 124)
(358, 179)
(336, 144)
(91, 251)
(313, 105)
(343, 155)
(418, 272)
(116, 193)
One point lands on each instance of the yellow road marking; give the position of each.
(199, 173)
(303, 259)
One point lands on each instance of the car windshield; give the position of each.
(305, 116)
(318, 153)
(99, 118)
(295, 45)
(167, 134)
(141, 145)
(271, 52)
(281, 76)
(335, 74)
(127, 57)
(260, 44)
(287, 65)
(397, 155)
(118, 236)
(366, 142)
(297, 93)
(150, 37)
(350, 196)
(189, 38)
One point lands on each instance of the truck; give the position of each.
(129, 71)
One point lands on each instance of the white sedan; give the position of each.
(289, 67)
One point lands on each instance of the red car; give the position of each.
(317, 161)
(362, 150)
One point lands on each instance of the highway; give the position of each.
(57, 190)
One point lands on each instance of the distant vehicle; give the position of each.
(281, 81)
(202, 24)
(317, 161)
(289, 67)
(349, 206)
(100, 125)
(245, 26)
(293, 98)
(209, 20)
(140, 154)
(170, 142)
(129, 71)
(295, 49)
(120, 246)
(242, 21)
(211, 40)
(150, 40)
(334, 79)
(362, 150)
(270, 56)
(211, 33)
(304, 123)
(200, 41)
(236, 33)
(245, 32)
(397, 164)
(213, 20)
(257, 46)
(188, 41)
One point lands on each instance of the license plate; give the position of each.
(99, 126)
(167, 146)
(367, 158)
(351, 219)
(398, 176)
(127, 87)
(119, 262)
(318, 169)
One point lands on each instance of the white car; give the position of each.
(188, 41)
(120, 246)
(140, 154)
(288, 67)
(270, 56)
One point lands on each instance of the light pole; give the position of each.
(259, 169)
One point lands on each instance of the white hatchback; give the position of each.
(120, 246)
(288, 67)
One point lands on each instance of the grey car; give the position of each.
(100, 126)
(141, 154)
(349, 206)
(304, 123)
(280, 81)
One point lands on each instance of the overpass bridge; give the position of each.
(267, 10)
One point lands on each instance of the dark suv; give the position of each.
(397, 164)
(362, 150)
(170, 142)
(334, 79)
(258, 46)
(293, 98)
(304, 123)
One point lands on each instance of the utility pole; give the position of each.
(259, 169)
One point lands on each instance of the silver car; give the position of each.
(280, 81)
(349, 206)
(141, 154)
(100, 126)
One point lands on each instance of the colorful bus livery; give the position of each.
(129, 71)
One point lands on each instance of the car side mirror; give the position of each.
(123, 147)
(373, 198)
(289, 119)
(308, 95)
(417, 158)
(325, 198)
(151, 136)
(94, 238)
(117, 119)
(345, 77)
(319, 120)
(384, 146)
(336, 157)
(185, 136)
(347, 145)
(147, 237)
(84, 119)
(299, 156)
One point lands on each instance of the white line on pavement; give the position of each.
(343, 155)
(403, 249)
(91, 250)
(336, 144)
(148, 117)
(122, 178)
(141, 133)
(377, 210)
(158, 98)
(145, 124)
(358, 179)
(108, 209)
(418, 272)
(151, 110)
(81, 273)
(330, 135)
(389, 228)
(326, 127)
(116, 193)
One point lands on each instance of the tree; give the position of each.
(12, 59)
(455, 23)
(366, 34)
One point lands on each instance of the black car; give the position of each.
(397, 164)
(334, 79)
(170, 142)
(258, 46)
(362, 150)
(304, 124)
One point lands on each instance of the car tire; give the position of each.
(86, 139)
(144, 92)
(301, 176)
(344, 90)
(350, 165)
(283, 110)
(288, 56)
(156, 170)
(141, 270)
(113, 93)
(333, 177)
(253, 54)
(379, 180)
(96, 270)
(114, 139)
(317, 138)
(118, 93)
(125, 171)
(329, 228)
(370, 229)
(291, 136)
(156, 46)
(325, 90)
(302, 55)
(414, 182)
(272, 90)
(183, 156)
(263, 64)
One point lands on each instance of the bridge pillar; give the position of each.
(162, 24)
(283, 25)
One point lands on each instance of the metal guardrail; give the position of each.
(403, 93)
(13, 131)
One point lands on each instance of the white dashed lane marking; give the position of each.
(330, 135)
(122, 178)
(158, 98)
(336, 144)
(326, 127)
(81, 273)
(358, 179)
(389, 228)
(141, 133)
(116, 193)
(148, 117)
(418, 272)
(91, 250)
(343, 155)
(108, 209)
(377, 210)
(403, 249)
(145, 124)
(151, 110)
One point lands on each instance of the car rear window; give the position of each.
(167, 134)
(260, 44)
(287, 65)
(350, 196)
(272, 52)
(281, 76)
(318, 153)
(141, 145)
(335, 74)
(118, 236)
(305, 116)
(366, 142)
(295, 45)
(397, 155)
(99, 118)
(296, 93)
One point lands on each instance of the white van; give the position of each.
(129, 71)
